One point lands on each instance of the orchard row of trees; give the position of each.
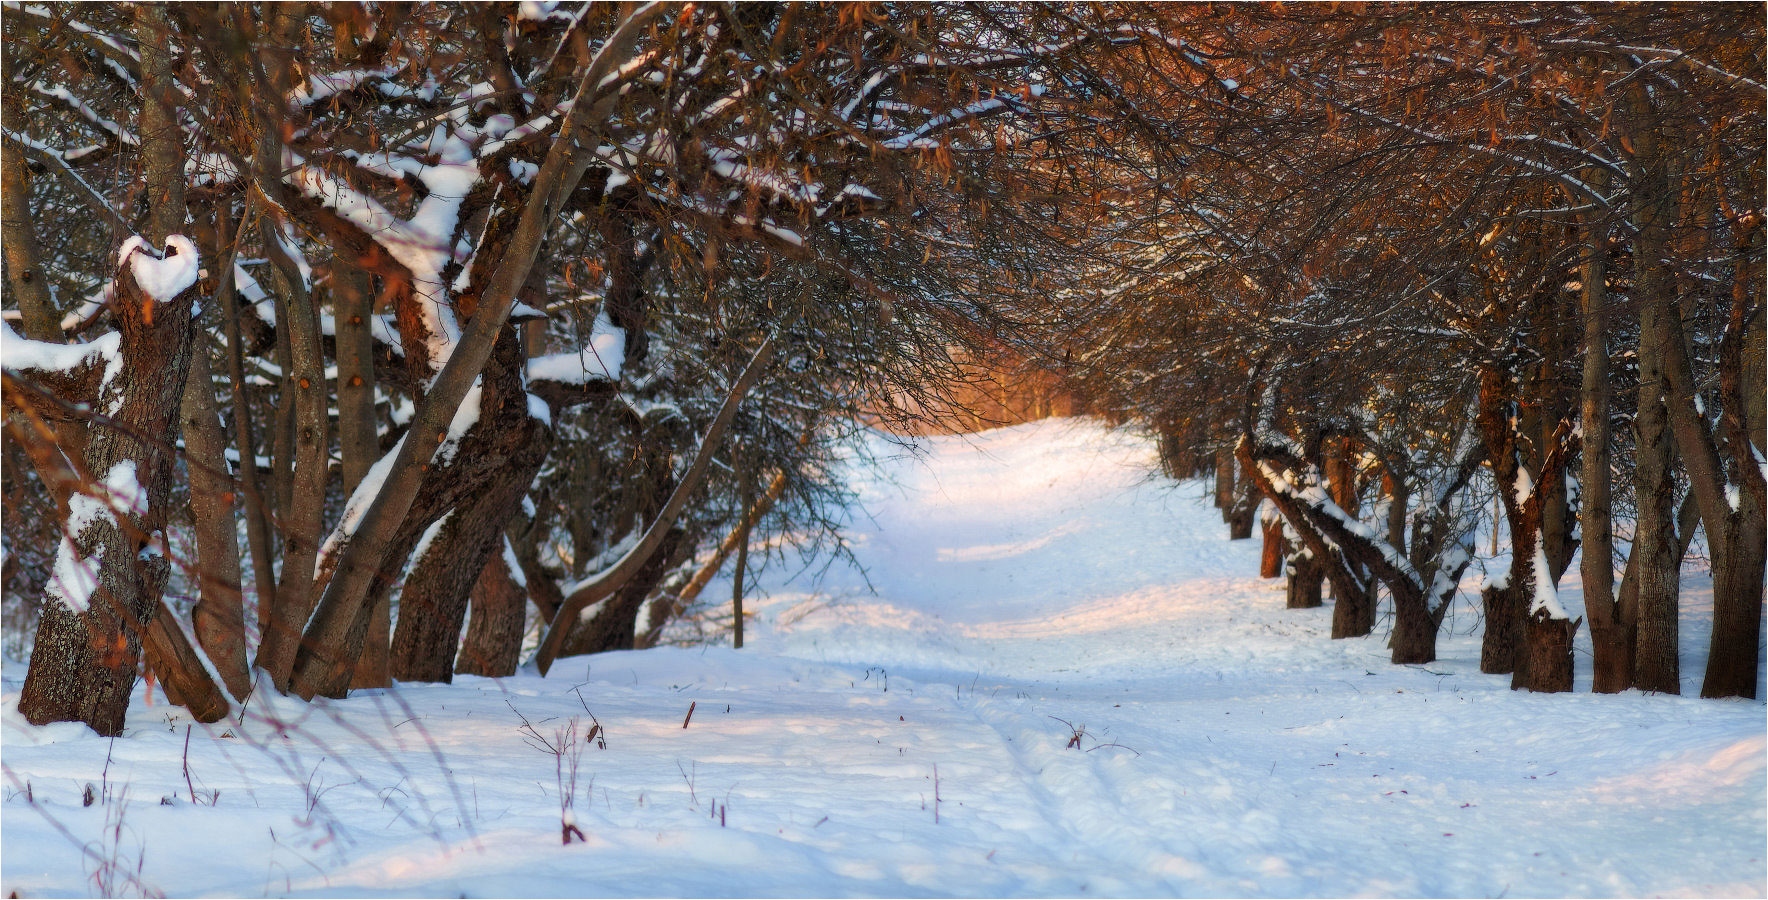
(323, 308)
(481, 304)
(1349, 257)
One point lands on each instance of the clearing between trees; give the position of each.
(1067, 682)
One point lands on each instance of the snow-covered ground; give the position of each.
(1069, 682)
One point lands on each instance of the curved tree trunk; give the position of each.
(612, 623)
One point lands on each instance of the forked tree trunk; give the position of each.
(433, 605)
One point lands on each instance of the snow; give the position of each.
(600, 359)
(916, 741)
(162, 278)
(21, 354)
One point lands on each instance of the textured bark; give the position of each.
(433, 604)
(255, 510)
(1735, 530)
(1275, 549)
(83, 666)
(18, 233)
(1243, 511)
(358, 438)
(218, 619)
(300, 512)
(1501, 645)
(1305, 579)
(1655, 663)
(1413, 641)
(1502, 648)
(219, 615)
(1548, 649)
(493, 643)
(1611, 637)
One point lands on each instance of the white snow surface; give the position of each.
(162, 278)
(600, 359)
(907, 743)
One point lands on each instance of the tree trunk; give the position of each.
(333, 639)
(1275, 549)
(358, 437)
(1611, 638)
(1655, 664)
(1415, 630)
(612, 623)
(1548, 652)
(83, 666)
(486, 480)
(433, 605)
(1243, 512)
(1224, 482)
(493, 644)
(1731, 504)
(1353, 605)
(741, 575)
(666, 608)
(1500, 647)
(1305, 577)
(304, 390)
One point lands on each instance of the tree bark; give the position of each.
(1611, 636)
(1501, 644)
(83, 666)
(493, 644)
(1305, 577)
(1548, 647)
(1244, 509)
(433, 604)
(1275, 549)
(1224, 482)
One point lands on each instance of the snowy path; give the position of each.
(1023, 577)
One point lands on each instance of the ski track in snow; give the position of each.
(1023, 576)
